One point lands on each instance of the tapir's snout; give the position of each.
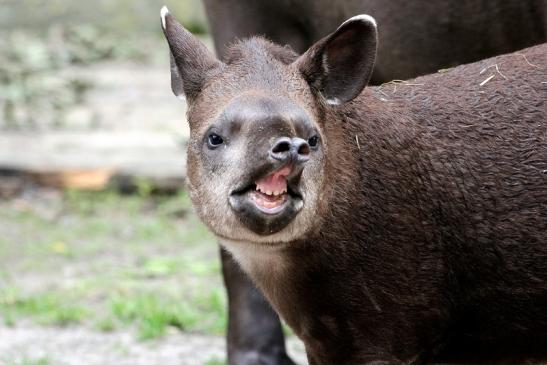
(274, 138)
(290, 150)
(273, 130)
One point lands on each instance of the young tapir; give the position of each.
(400, 224)
(415, 38)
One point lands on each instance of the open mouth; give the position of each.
(271, 191)
(270, 202)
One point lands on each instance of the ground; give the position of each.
(106, 278)
(75, 345)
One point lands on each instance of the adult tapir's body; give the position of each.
(416, 37)
(407, 225)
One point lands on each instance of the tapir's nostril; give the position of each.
(303, 148)
(282, 145)
(294, 150)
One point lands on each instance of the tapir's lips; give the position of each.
(268, 202)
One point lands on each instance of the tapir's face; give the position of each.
(257, 162)
(256, 158)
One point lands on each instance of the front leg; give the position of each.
(254, 330)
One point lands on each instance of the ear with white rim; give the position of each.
(339, 66)
(191, 61)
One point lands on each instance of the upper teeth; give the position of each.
(269, 192)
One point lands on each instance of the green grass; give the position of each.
(25, 361)
(153, 313)
(47, 308)
(215, 361)
(110, 261)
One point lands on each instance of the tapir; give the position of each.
(384, 226)
(415, 37)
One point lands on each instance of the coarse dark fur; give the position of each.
(429, 239)
(416, 37)
(434, 246)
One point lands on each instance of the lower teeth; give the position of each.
(267, 203)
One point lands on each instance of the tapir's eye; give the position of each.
(214, 140)
(313, 141)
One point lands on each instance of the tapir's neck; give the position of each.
(279, 272)
(257, 260)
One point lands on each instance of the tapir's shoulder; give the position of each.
(522, 74)
(495, 94)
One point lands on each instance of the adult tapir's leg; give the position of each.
(254, 330)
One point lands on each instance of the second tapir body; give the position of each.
(406, 224)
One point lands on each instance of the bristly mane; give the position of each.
(253, 46)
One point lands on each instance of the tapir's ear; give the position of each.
(339, 66)
(191, 61)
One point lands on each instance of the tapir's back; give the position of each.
(494, 93)
(484, 129)
(487, 122)
(484, 126)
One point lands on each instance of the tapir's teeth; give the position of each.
(274, 184)
(270, 192)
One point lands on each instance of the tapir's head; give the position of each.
(258, 150)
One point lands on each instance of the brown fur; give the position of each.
(415, 37)
(422, 236)
(432, 244)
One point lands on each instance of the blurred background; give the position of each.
(102, 260)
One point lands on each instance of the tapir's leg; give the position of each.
(254, 330)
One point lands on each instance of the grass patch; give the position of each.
(161, 266)
(106, 324)
(28, 361)
(215, 361)
(109, 261)
(82, 223)
(153, 314)
(48, 308)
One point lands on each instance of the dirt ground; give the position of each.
(77, 346)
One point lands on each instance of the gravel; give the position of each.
(82, 346)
